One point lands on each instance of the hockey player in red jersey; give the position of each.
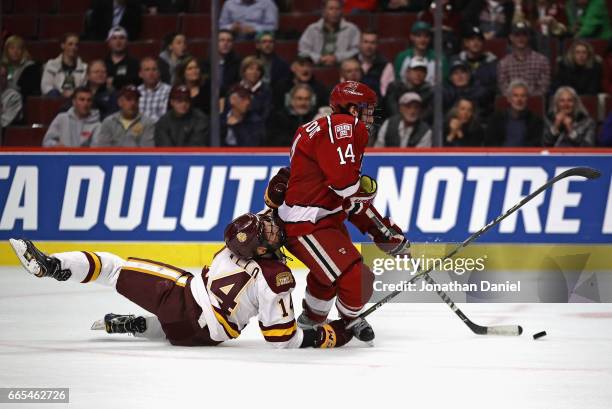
(323, 188)
(247, 278)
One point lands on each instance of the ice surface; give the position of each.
(424, 357)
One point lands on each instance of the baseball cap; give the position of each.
(180, 92)
(521, 27)
(409, 97)
(116, 31)
(240, 91)
(263, 34)
(304, 59)
(420, 26)
(472, 32)
(459, 64)
(418, 62)
(129, 91)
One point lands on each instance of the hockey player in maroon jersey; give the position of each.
(323, 188)
(247, 278)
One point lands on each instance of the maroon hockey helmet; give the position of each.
(248, 232)
(353, 93)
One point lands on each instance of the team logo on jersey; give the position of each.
(241, 237)
(284, 278)
(343, 131)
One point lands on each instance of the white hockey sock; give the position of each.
(87, 266)
(346, 311)
(317, 305)
(154, 330)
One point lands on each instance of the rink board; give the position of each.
(174, 204)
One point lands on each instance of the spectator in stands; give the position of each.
(104, 98)
(568, 124)
(405, 129)
(78, 126)
(524, 63)
(377, 71)
(451, 23)
(167, 6)
(10, 101)
(413, 81)
(332, 39)
(182, 125)
(174, 53)
(128, 127)
(275, 68)
(462, 126)
(548, 17)
(359, 6)
(301, 73)
(106, 14)
(239, 125)
(404, 5)
(589, 18)
(461, 85)
(229, 62)
(494, 17)
(62, 75)
(420, 38)
(482, 63)
(283, 123)
(517, 125)
(251, 72)
(580, 69)
(350, 70)
(153, 92)
(189, 73)
(122, 68)
(246, 18)
(23, 73)
(607, 70)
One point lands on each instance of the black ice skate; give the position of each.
(363, 331)
(121, 324)
(38, 263)
(306, 323)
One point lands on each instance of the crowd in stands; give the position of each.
(532, 94)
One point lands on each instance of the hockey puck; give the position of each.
(539, 334)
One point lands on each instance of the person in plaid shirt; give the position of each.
(524, 63)
(154, 93)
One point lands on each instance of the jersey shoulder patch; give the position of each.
(277, 275)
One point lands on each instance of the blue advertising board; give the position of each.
(190, 196)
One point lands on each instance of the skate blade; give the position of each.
(27, 260)
(98, 326)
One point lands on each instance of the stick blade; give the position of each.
(505, 330)
(586, 172)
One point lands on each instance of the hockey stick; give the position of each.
(588, 173)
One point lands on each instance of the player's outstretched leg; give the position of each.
(38, 263)
(121, 324)
(80, 266)
(354, 291)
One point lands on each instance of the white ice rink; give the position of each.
(424, 357)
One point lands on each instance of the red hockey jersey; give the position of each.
(326, 157)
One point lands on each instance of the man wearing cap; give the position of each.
(524, 63)
(240, 126)
(122, 69)
(413, 81)
(482, 63)
(246, 18)
(126, 128)
(332, 39)
(302, 72)
(420, 38)
(182, 125)
(462, 85)
(405, 129)
(275, 68)
(153, 92)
